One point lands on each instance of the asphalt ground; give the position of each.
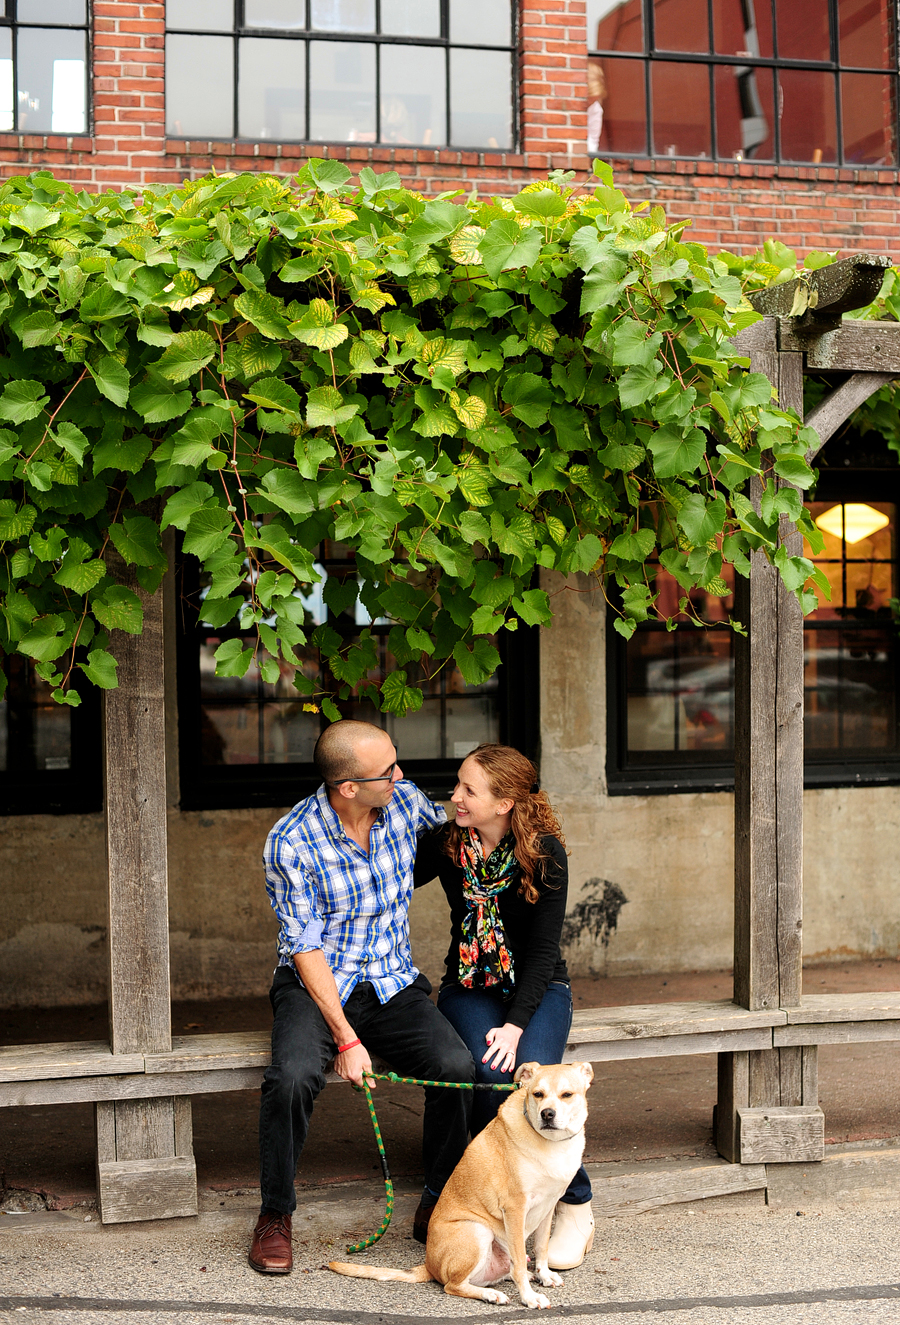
(640, 1109)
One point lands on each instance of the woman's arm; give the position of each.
(429, 854)
(537, 953)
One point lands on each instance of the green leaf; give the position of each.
(118, 608)
(127, 454)
(386, 182)
(676, 454)
(38, 329)
(545, 204)
(604, 285)
(103, 304)
(112, 379)
(325, 408)
(438, 220)
(33, 217)
(293, 494)
(321, 338)
(101, 669)
(185, 355)
(794, 469)
(207, 531)
(506, 245)
(635, 546)
(534, 607)
(475, 483)
(193, 443)
(73, 441)
(701, 521)
(15, 522)
(137, 540)
(158, 401)
(530, 397)
(632, 346)
(79, 576)
(397, 696)
(638, 385)
(22, 401)
(478, 663)
(329, 176)
(272, 393)
(264, 310)
(182, 505)
(46, 640)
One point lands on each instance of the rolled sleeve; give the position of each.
(430, 813)
(292, 894)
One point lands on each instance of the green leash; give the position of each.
(388, 1184)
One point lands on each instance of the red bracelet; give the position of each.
(342, 1048)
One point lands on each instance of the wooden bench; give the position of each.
(200, 1064)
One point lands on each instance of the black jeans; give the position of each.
(408, 1031)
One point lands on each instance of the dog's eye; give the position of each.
(566, 1095)
(537, 1095)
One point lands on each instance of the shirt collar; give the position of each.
(332, 818)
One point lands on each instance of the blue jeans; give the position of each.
(472, 1013)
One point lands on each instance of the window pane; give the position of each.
(342, 91)
(615, 25)
(865, 31)
(195, 107)
(413, 95)
(681, 124)
(481, 99)
(271, 95)
(850, 689)
(205, 15)
(52, 91)
(869, 112)
(481, 22)
(617, 114)
(807, 113)
(681, 691)
(342, 15)
(289, 734)
(51, 11)
(742, 27)
(803, 30)
(6, 80)
(229, 734)
(680, 25)
(745, 112)
(411, 18)
(275, 13)
(35, 733)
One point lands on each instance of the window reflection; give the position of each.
(807, 116)
(681, 118)
(199, 107)
(342, 15)
(35, 732)
(51, 80)
(342, 91)
(680, 25)
(480, 98)
(865, 34)
(615, 25)
(271, 95)
(413, 95)
(868, 116)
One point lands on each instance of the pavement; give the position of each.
(814, 1254)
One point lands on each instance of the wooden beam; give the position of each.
(816, 300)
(782, 1135)
(855, 346)
(837, 407)
(139, 997)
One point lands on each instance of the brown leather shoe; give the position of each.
(420, 1221)
(270, 1250)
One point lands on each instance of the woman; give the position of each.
(506, 990)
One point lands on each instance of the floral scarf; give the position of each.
(484, 958)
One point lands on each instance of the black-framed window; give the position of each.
(671, 695)
(43, 66)
(430, 73)
(792, 81)
(246, 742)
(50, 754)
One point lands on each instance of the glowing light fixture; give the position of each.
(859, 521)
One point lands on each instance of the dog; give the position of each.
(505, 1188)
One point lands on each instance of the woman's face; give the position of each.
(476, 805)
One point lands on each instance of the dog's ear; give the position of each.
(525, 1072)
(587, 1072)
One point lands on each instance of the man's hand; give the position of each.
(354, 1064)
(503, 1041)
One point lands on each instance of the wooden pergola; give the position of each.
(141, 1080)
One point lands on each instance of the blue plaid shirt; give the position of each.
(329, 894)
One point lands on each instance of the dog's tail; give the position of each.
(417, 1276)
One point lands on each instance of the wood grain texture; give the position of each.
(842, 1032)
(105, 1131)
(184, 1126)
(197, 1053)
(669, 1046)
(667, 1183)
(846, 1007)
(145, 1129)
(853, 347)
(733, 1093)
(135, 756)
(790, 1075)
(655, 1019)
(827, 293)
(765, 1084)
(135, 1190)
(782, 1135)
(91, 1058)
(138, 1086)
(810, 1073)
(840, 403)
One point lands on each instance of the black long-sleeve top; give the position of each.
(532, 929)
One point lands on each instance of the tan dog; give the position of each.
(505, 1188)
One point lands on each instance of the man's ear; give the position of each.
(349, 790)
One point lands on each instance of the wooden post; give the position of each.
(768, 801)
(145, 1161)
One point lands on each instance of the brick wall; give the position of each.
(733, 205)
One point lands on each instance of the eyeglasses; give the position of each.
(385, 777)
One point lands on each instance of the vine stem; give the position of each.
(84, 373)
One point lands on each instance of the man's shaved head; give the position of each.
(335, 755)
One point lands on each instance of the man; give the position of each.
(339, 877)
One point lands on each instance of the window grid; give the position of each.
(13, 24)
(652, 55)
(378, 39)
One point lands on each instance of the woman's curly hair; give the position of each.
(511, 776)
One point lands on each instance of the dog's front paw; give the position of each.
(548, 1278)
(535, 1300)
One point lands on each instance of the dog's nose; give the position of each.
(548, 1115)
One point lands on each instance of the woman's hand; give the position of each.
(503, 1041)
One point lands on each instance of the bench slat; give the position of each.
(206, 1053)
(652, 1020)
(845, 1007)
(42, 1062)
